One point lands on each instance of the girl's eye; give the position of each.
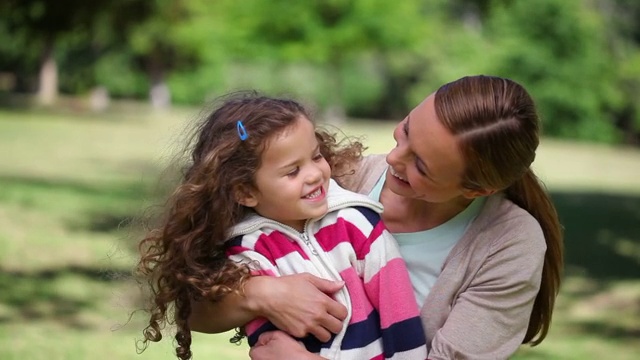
(405, 128)
(294, 172)
(318, 157)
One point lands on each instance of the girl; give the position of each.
(257, 199)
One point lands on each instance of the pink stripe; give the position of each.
(234, 250)
(254, 325)
(393, 306)
(379, 357)
(277, 245)
(342, 231)
(361, 305)
(377, 230)
(363, 248)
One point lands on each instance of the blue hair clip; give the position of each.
(242, 132)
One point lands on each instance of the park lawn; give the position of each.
(71, 181)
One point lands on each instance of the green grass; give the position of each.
(70, 180)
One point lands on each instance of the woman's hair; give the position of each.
(497, 126)
(183, 257)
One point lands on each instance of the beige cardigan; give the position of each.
(479, 308)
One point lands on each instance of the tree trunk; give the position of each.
(334, 112)
(159, 94)
(48, 79)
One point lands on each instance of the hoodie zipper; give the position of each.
(307, 241)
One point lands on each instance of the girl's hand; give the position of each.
(276, 345)
(298, 304)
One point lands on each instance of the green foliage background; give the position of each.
(364, 58)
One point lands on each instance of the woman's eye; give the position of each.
(405, 128)
(422, 172)
(318, 157)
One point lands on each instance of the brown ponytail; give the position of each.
(530, 194)
(497, 126)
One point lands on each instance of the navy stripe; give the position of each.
(362, 333)
(253, 338)
(403, 336)
(372, 216)
(236, 241)
(311, 343)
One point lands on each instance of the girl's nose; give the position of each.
(314, 175)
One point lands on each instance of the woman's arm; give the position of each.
(490, 318)
(298, 304)
(233, 311)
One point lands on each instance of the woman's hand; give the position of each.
(298, 304)
(277, 345)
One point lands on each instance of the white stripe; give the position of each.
(250, 240)
(382, 250)
(294, 263)
(367, 352)
(358, 219)
(254, 260)
(343, 256)
(419, 353)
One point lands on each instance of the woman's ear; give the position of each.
(475, 193)
(245, 196)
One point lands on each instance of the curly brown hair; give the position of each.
(183, 258)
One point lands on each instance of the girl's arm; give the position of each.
(298, 304)
(277, 345)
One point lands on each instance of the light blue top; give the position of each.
(425, 251)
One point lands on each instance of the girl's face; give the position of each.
(293, 180)
(426, 163)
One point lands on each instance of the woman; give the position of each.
(480, 235)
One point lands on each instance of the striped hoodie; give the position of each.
(350, 243)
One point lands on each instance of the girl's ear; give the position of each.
(245, 197)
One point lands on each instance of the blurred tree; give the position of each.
(622, 31)
(558, 50)
(452, 45)
(203, 38)
(15, 59)
(328, 34)
(160, 50)
(43, 25)
(372, 58)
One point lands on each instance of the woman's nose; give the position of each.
(392, 157)
(397, 154)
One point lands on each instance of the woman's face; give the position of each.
(426, 163)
